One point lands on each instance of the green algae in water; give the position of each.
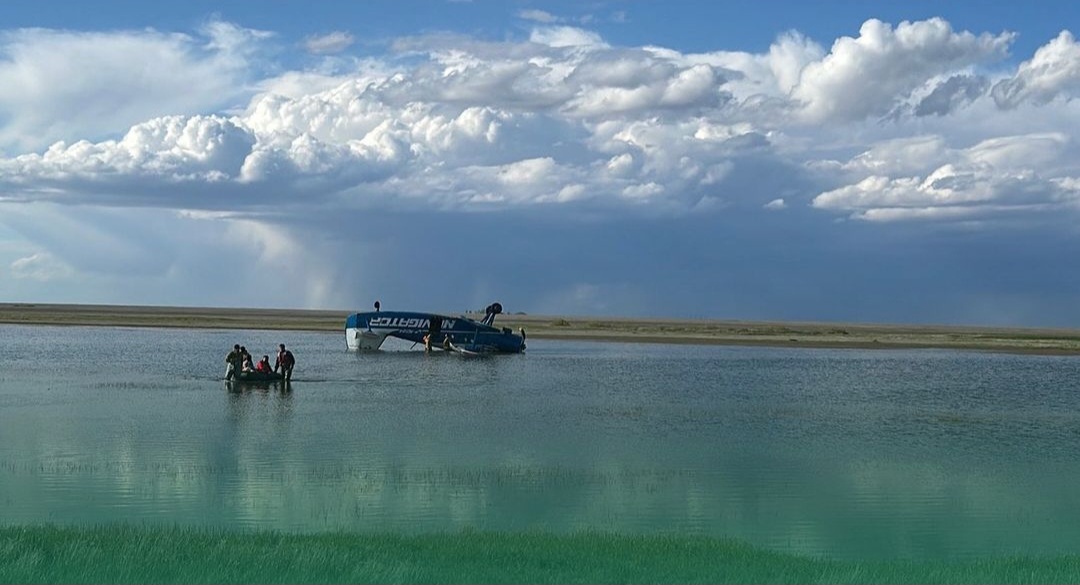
(127, 554)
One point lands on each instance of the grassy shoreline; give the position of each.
(688, 331)
(147, 554)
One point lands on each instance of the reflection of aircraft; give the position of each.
(367, 331)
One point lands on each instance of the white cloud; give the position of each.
(870, 74)
(528, 181)
(400, 133)
(770, 75)
(1020, 152)
(566, 36)
(167, 151)
(479, 122)
(991, 177)
(621, 165)
(297, 84)
(644, 191)
(231, 40)
(1053, 71)
(537, 16)
(330, 43)
(894, 124)
(524, 172)
(787, 58)
(65, 85)
(901, 156)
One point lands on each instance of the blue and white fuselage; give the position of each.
(367, 331)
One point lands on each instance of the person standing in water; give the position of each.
(285, 362)
(232, 362)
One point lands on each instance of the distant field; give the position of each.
(794, 334)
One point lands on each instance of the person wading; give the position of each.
(285, 362)
(232, 362)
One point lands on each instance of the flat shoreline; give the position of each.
(1045, 341)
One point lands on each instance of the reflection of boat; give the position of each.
(248, 377)
(249, 385)
(367, 331)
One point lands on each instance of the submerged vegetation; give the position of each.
(130, 554)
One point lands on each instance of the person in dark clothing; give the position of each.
(232, 362)
(285, 362)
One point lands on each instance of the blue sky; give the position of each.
(909, 162)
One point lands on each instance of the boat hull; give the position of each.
(257, 377)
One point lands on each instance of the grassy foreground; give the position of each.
(128, 554)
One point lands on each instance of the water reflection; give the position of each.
(849, 454)
(246, 399)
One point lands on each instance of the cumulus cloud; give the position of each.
(993, 177)
(300, 168)
(68, 85)
(420, 137)
(754, 77)
(561, 119)
(868, 75)
(1053, 71)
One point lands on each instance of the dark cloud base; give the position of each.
(714, 267)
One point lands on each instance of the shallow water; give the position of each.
(844, 453)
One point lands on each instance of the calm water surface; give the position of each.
(850, 454)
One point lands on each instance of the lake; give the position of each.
(855, 454)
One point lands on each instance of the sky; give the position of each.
(856, 161)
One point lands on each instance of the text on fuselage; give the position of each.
(407, 323)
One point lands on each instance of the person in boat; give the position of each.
(247, 366)
(285, 362)
(263, 367)
(233, 362)
(446, 343)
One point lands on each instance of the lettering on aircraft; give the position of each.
(407, 323)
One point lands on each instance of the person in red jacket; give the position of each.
(263, 367)
(285, 362)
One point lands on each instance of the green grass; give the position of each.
(130, 554)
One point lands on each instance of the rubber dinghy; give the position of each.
(368, 331)
(257, 377)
